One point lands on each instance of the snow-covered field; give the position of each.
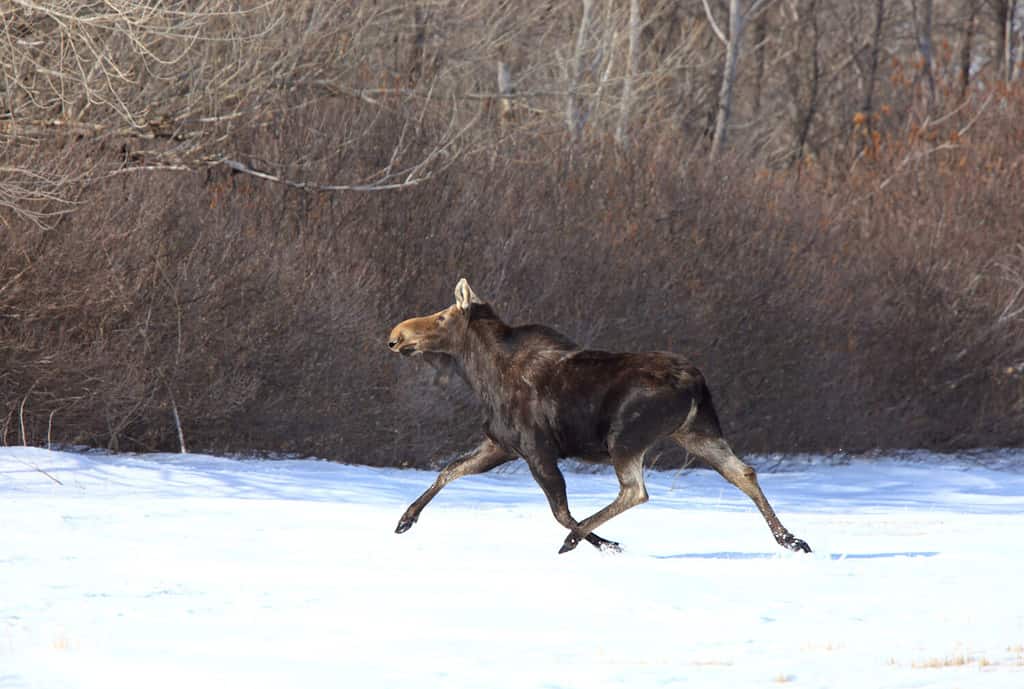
(193, 571)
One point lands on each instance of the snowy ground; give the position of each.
(192, 571)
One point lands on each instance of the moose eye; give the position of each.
(440, 319)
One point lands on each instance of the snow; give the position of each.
(195, 571)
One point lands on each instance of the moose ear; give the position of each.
(464, 296)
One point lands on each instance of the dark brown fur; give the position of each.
(544, 398)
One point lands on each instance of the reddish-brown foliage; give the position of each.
(880, 308)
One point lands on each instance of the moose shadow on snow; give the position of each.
(730, 555)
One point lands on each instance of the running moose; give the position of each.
(545, 398)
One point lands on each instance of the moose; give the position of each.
(544, 398)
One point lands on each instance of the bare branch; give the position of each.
(714, 25)
(388, 180)
(42, 471)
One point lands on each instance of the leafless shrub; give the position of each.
(848, 273)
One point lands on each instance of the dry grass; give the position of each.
(956, 660)
(827, 646)
(61, 642)
(963, 659)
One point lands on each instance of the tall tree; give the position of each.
(575, 117)
(1009, 40)
(740, 12)
(806, 97)
(922, 11)
(872, 67)
(1005, 14)
(628, 83)
(970, 20)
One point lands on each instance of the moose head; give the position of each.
(439, 332)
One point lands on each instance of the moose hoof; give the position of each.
(571, 541)
(795, 544)
(405, 523)
(603, 544)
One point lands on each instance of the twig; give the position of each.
(914, 158)
(313, 186)
(714, 25)
(413, 176)
(148, 168)
(44, 472)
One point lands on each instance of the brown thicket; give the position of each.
(213, 215)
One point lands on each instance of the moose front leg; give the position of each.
(630, 471)
(552, 482)
(485, 457)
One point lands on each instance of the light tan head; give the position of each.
(437, 332)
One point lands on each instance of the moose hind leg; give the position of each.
(717, 453)
(632, 492)
(485, 457)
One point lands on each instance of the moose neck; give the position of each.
(483, 356)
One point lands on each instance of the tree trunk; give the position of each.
(574, 115)
(876, 47)
(923, 27)
(632, 57)
(505, 91)
(804, 126)
(737, 20)
(1009, 62)
(1005, 11)
(418, 47)
(760, 34)
(967, 45)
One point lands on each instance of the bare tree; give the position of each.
(966, 56)
(872, 67)
(740, 12)
(632, 58)
(1009, 48)
(760, 40)
(922, 13)
(807, 48)
(175, 85)
(1003, 15)
(170, 83)
(575, 117)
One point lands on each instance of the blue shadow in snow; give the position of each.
(876, 556)
(769, 556)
